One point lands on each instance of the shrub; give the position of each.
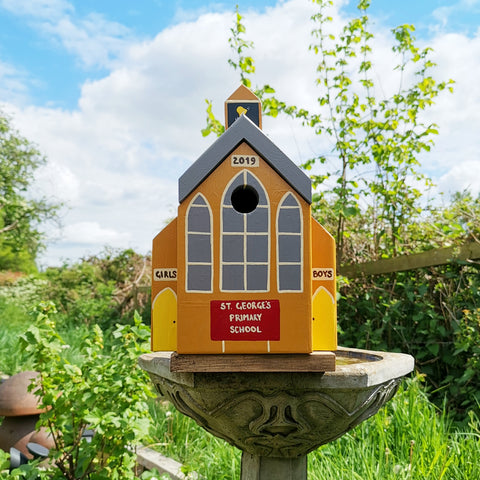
(105, 392)
(431, 313)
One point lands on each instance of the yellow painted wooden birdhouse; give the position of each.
(244, 268)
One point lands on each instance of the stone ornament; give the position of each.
(282, 414)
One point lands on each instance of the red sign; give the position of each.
(245, 320)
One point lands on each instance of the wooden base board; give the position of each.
(314, 362)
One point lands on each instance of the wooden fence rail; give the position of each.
(430, 258)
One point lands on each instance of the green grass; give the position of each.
(408, 439)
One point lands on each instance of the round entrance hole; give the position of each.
(244, 199)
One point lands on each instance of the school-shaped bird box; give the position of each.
(244, 268)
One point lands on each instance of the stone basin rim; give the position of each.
(378, 367)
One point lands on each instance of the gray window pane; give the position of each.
(199, 277)
(236, 183)
(290, 277)
(232, 220)
(199, 248)
(199, 200)
(257, 221)
(290, 201)
(289, 220)
(257, 248)
(232, 248)
(198, 219)
(289, 248)
(257, 277)
(232, 277)
(251, 180)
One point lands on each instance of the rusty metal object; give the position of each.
(21, 412)
(15, 399)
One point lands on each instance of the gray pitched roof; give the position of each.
(243, 129)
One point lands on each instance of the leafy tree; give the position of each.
(367, 134)
(20, 214)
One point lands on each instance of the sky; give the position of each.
(113, 93)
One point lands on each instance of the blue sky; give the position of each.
(53, 76)
(113, 93)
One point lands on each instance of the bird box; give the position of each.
(244, 268)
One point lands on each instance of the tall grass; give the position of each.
(410, 438)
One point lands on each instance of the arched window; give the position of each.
(289, 245)
(245, 247)
(199, 246)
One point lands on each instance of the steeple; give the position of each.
(243, 102)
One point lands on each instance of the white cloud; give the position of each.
(94, 40)
(444, 13)
(83, 239)
(462, 176)
(91, 233)
(458, 116)
(43, 9)
(116, 159)
(13, 83)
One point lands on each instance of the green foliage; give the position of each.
(454, 224)
(213, 124)
(98, 290)
(13, 322)
(105, 391)
(367, 134)
(244, 64)
(81, 293)
(20, 214)
(467, 343)
(430, 313)
(15, 260)
(385, 135)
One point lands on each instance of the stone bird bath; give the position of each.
(277, 418)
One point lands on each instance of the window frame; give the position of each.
(189, 234)
(296, 233)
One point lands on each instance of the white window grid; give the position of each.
(245, 233)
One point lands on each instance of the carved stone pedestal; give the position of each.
(255, 467)
(277, 418)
